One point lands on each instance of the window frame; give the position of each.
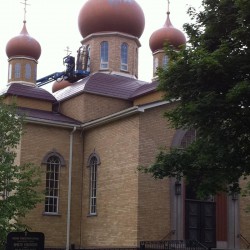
(124, 56)
(93, 162)
(104, 55)
(18, 70)
(27, 71)
(52, 184)
(165, 61)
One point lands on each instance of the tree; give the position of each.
(17, 182)
(210, 80)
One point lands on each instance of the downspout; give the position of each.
(69, 187)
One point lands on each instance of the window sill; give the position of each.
(106, 69)
(124, 70)
(91, 215)
(51, 214)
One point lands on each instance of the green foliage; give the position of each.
(17, 182)
(210, 78)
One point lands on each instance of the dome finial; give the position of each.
(25, 10)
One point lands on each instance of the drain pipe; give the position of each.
(69, 186)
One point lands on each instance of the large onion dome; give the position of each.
(23, 45)
(167, 34)
(125, 16)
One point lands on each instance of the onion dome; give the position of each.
(125, 16)
(23, 45)
(167, 34)
(58, 85)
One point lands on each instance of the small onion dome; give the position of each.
(23, 45)
(125, 16)
(166, 34)
(57, 85)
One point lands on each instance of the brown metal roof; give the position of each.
(110, 85)
(47, 116)
(33, 92)
(145, 89)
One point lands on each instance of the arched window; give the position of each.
(89, 55)
(156, 64)
(17, 70)
(104, 55)
(53, 162)
(10, 71)
(124, 56)
(27, 71)
(165, 61)
(93, 162)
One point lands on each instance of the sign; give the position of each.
(25, 241)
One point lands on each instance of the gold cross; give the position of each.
(68, 50)
(25, 9)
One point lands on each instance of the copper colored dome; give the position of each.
(124, 16)
(166, 34)
(57, 85)
(23, 45)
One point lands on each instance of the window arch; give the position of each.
(17, 70)
(27, 71)
(183, 138)
(104, 55)
(124, 56)
(54, 162)
(93, 162)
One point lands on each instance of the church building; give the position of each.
(93, 130)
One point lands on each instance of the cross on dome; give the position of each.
(25, 9)
(68, 51)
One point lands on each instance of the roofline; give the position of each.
(100, 121)
(53, 123)
(121, 114)
(112, 33)
(154, 104)
(112, 117)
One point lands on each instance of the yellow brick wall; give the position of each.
(87, 107)
(117, 188)
(154, 195)
(115, 41)
(36, 143)
(23, 61)
(149, 98)
(29, 103)
(244, 205)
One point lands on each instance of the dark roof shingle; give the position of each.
(33, 92)
(47, 116)
(110, 85)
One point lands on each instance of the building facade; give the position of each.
(90, 136)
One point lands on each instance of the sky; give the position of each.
(54, 24)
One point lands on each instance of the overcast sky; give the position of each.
(53, 23)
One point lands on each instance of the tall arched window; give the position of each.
(27, 71)
(53, 162)
(52, 185)
(156, 64)
(165, 61)
(124, 56)
(17, 70)
(93, 162)
(10, 71)
(104, 55)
